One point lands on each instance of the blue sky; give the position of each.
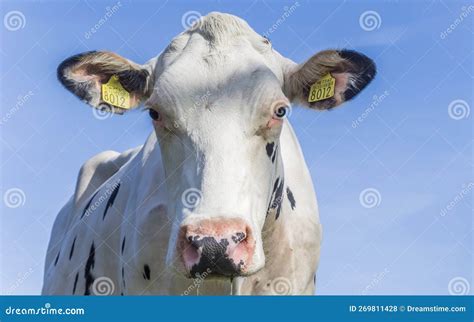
(413, 150)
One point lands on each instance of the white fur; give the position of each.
(215, 147)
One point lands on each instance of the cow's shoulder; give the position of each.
(97, 170)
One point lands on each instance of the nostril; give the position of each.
(243, 237)
(191, 252)
(192, 241)
(239, 237)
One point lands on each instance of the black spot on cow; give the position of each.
(123, 276)
(275, 186)
(146, 272)
(75, 283)
(89, 278)
(272, 149)
(111, 200)
(57, 258)
(274, 154)
(123, 245)
(291, 198)
(71, 252)
(276, 197)
(86, 208)
(279, 198)
(269, 149)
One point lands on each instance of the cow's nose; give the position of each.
(216, 247)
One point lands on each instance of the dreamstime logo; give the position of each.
(459, 109)
(465, 12)
(191, 20)
(376, 101)
(370, 20)
(102, 112)
(282, 286)
(109, 13)
(199, 102)
(103, 286)
(197, 282)
(14, 198)
(22, 277)
(21, 100)
(203, 100)
(287, 12)
(465, 191)
(110, 187)
(277, 202)
(370, 198)
(191, 197)
(375, 281)
(459, 286)
(14, 20)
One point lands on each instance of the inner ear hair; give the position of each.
(312, 70)
(83, 74)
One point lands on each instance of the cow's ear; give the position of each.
(328, 79)
(106, 80)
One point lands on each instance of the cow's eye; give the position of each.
(281, 112)
(155, 115)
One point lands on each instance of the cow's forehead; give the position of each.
(219, 58)
(214, 38)
(219, 27)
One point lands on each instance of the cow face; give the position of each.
(218, 97)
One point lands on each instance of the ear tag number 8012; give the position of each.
(114, 93)
(322, 89)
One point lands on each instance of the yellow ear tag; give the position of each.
(322, 89)
(114, 94)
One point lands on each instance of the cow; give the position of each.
(219, 199)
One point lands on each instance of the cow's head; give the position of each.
(218, 96)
